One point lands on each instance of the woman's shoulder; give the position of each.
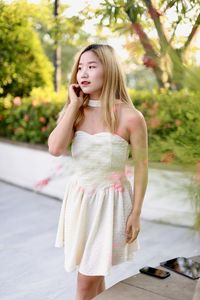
(129, 109)
(131, 116)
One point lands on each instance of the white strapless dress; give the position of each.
(97, 201)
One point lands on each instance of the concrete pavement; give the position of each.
(31, 268)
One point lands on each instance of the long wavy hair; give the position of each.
(114, 86)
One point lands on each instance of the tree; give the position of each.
(57, 52)
(59, 34)
(24, 64)
(166, 57)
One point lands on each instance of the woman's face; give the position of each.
(90, 74)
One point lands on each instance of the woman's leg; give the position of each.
(101, 287)
(88, 286)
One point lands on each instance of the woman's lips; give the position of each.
(85, 83)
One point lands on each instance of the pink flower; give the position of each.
(178, 122)
(118, 187)
(154, 123)
(117, 181)
(26, 117)
(43, 182)
(42, 120)
(17, 101)
(154, 109)
(167, 125)
(144, 105)
(43, 129)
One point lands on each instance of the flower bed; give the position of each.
(172, 119)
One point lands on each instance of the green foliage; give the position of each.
(192, 78)
(172, 119)
(64, 31)
(166, 54)
(173, 124)
(23, 62)
(173, 130)
(30, 119)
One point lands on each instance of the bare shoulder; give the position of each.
(132, 117)
(135, 119)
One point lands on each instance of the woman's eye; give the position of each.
(92, 67)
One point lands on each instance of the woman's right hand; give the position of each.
(76, 94)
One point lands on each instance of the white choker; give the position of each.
(94, 103)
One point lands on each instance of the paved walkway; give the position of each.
(31, 268)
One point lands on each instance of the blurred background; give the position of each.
(158, 42)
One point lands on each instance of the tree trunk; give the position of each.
(150, 54)
(57, 52)
(57, 68)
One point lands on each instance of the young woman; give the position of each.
(100, 215)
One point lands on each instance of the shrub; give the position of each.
(172, 119)
(173, 124)
(30, 119)
(24, 64)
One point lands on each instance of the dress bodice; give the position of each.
(99, 156)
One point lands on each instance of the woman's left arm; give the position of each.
(139, 148)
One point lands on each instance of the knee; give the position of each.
(84, 286)
(88, 283)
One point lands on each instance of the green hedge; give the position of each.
(24, 64)
(173, 124)
(30, 119)
(172, 119)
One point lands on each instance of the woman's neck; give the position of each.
(94, 103)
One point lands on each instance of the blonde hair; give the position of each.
(114, 86)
